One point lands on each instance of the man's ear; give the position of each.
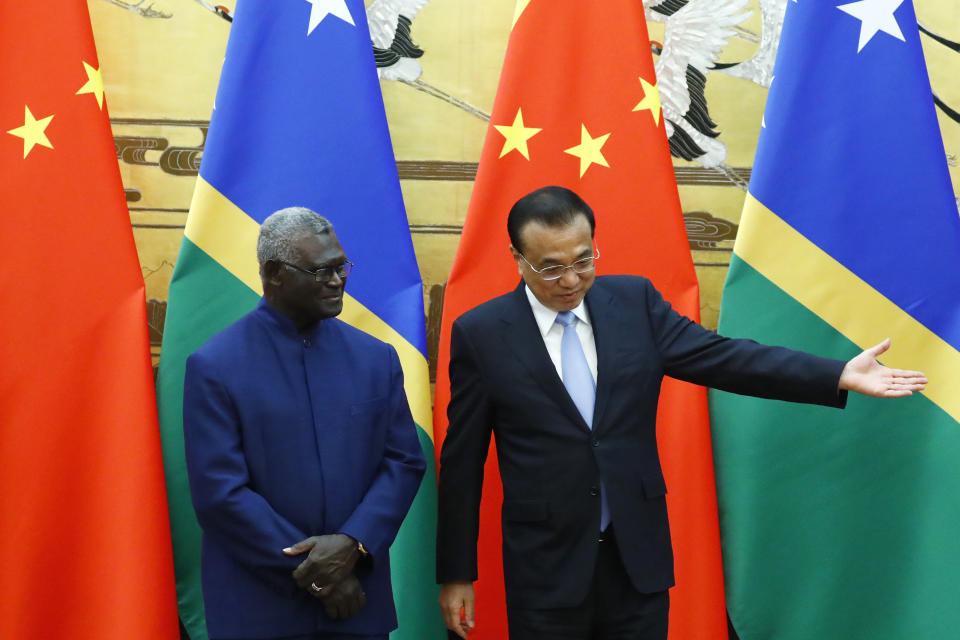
(517, 258)
(270, 273)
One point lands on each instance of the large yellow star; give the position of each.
(32, 131)
(651, 100)
(94, 84)
(516, 136)
(589, 150)
(521, 5)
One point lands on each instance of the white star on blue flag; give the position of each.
(320, 9)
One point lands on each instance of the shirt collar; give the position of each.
(546, 317)
(283, 322)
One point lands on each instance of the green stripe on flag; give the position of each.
(844, 512)
(204, 298)
(414, 574)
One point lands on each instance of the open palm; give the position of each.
(865, 375)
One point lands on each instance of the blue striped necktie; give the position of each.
(580, 385)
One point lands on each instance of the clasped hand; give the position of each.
(327, 573)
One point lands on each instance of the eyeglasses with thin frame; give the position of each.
(324, 273)
(583, 265)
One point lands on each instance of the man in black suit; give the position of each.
(565, 371)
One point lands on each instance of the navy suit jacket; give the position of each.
(502, 381)
(290, 435)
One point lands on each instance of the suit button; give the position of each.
(596, 443)
(594, 491)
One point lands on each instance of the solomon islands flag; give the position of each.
(299, 120)
(844, 524)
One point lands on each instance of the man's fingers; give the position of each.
(909, 386)
(448, 618)
(300, 575)
(451, 618)
(330, 606)
(910, 377)
(300, 547)
(468, 612)
(459, 629)
(356, 603)
(340, 606)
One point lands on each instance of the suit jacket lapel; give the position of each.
(522, 335)
(600, 305)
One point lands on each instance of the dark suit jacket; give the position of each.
(551, 463)
(287, 436)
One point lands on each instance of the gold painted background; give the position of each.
(161, 63)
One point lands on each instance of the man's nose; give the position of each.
(335, 280)
(570, 278)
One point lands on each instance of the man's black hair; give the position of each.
(550, 206)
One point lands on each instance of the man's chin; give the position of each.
(333, 308)
(567, 303)
(324, 308)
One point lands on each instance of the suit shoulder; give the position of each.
(223, 344)
(487, 312)
(622, 285)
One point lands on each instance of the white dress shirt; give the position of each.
(552, 332)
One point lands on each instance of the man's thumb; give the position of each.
(880, 348)
(300, 547)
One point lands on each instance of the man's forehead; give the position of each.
(310, 244)
(557, 241)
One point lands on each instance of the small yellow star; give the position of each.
(94, 84)
(651, 101)
(589, 150)
(516, 136)
(32, 131)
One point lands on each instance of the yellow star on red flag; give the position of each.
(651, 100)
(32, 131)
(516, 136)
(589, 150)
(93, 85)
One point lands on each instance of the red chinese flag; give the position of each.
(578, 107)
(83, 512)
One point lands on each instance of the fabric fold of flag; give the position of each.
(578, 106)
(299, 120)
(86, 544)
(842, 524)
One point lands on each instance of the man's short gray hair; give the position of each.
(282, 228)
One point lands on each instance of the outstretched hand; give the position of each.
(865, 375)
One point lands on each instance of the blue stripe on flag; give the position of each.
(299, 120)
(851, 157)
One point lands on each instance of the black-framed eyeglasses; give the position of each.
(583, 265)
(324, 273)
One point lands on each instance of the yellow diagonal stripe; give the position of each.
(229, 236)
(225, 233)
(845, 301)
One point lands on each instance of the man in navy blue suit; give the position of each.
(302, 454)
(565, 373)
